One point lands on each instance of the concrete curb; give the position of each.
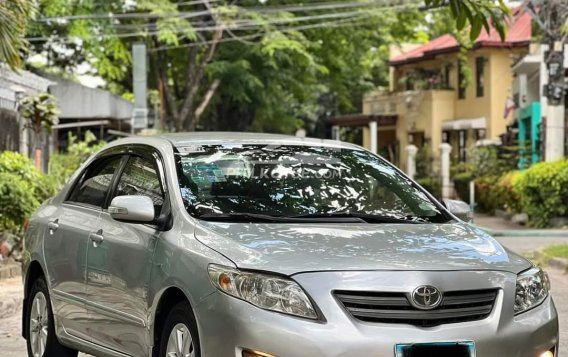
(562, 233)
(10, 271)
(558, 263)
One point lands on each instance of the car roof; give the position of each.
(224, 138)
(180, 140)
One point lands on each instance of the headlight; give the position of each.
(532, 288)
(263, 290)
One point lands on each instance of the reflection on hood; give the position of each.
(294, 248)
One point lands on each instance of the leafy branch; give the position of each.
(478, 13)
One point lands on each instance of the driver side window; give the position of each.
(95, 183)
(140, 178)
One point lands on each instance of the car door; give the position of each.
(66, 241)
(119, 265)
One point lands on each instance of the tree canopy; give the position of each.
(266, 66)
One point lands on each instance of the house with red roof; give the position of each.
(437, 96)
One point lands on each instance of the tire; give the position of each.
(180, 319)
(43, 342)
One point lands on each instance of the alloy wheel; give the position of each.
(180, 342)
(39, 324)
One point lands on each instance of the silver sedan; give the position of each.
(251, 245)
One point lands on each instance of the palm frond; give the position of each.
(14, 16)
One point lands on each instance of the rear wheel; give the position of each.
(180, 337)
(41, 340)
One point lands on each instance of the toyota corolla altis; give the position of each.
(250, 245)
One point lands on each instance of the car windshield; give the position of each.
(297, 182)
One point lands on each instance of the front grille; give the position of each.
(395, 308)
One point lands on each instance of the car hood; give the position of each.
(304, 247)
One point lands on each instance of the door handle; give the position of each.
(53, 226)
(97, 238)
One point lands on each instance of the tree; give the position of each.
(271, 67)
(478, 14)
(14, 16)
(41, 113)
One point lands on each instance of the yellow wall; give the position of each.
(426, 110)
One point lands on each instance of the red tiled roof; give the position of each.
(519, 34)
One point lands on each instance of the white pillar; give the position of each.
(554, 133)
(335, 132)
(374, 140)
(411, 151)
(445, 150)
(554, 127)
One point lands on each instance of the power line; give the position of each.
(258, 9)
(334, 24)
(244, 24)
(195, 2)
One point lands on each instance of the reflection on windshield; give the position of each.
(284, 180)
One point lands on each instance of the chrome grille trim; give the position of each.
(379, 307)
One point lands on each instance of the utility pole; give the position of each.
(140, 86)
(552, 16)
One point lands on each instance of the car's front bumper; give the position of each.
(227, 325)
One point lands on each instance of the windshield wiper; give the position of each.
(259, 217)
(369, 218)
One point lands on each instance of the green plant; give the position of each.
(509, 198)
(487, 194)
(22, 189)
(424, 167)
(17, 202)
(543, 191)
(461, 184)
(17, 164)
(40, 111)
(543, 257)
(14, 17)
(62, 166)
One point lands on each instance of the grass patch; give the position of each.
(549, 252)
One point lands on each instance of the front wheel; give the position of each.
(41, 340)
(179, 337)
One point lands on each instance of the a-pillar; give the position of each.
(374, 136)
(445, 150)
(411, 151)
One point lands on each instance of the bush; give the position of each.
(543, 191)
(432, 185)
(487, 195)
(490, 167)
(22, 189)
(41, 186)
(510, 200)
(62, 166)
(461, 184)
(17, 202)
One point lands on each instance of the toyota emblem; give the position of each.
(426, 297)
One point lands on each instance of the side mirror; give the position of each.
(133, 209)
(460, 209)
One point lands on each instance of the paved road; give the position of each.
(12, 345)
